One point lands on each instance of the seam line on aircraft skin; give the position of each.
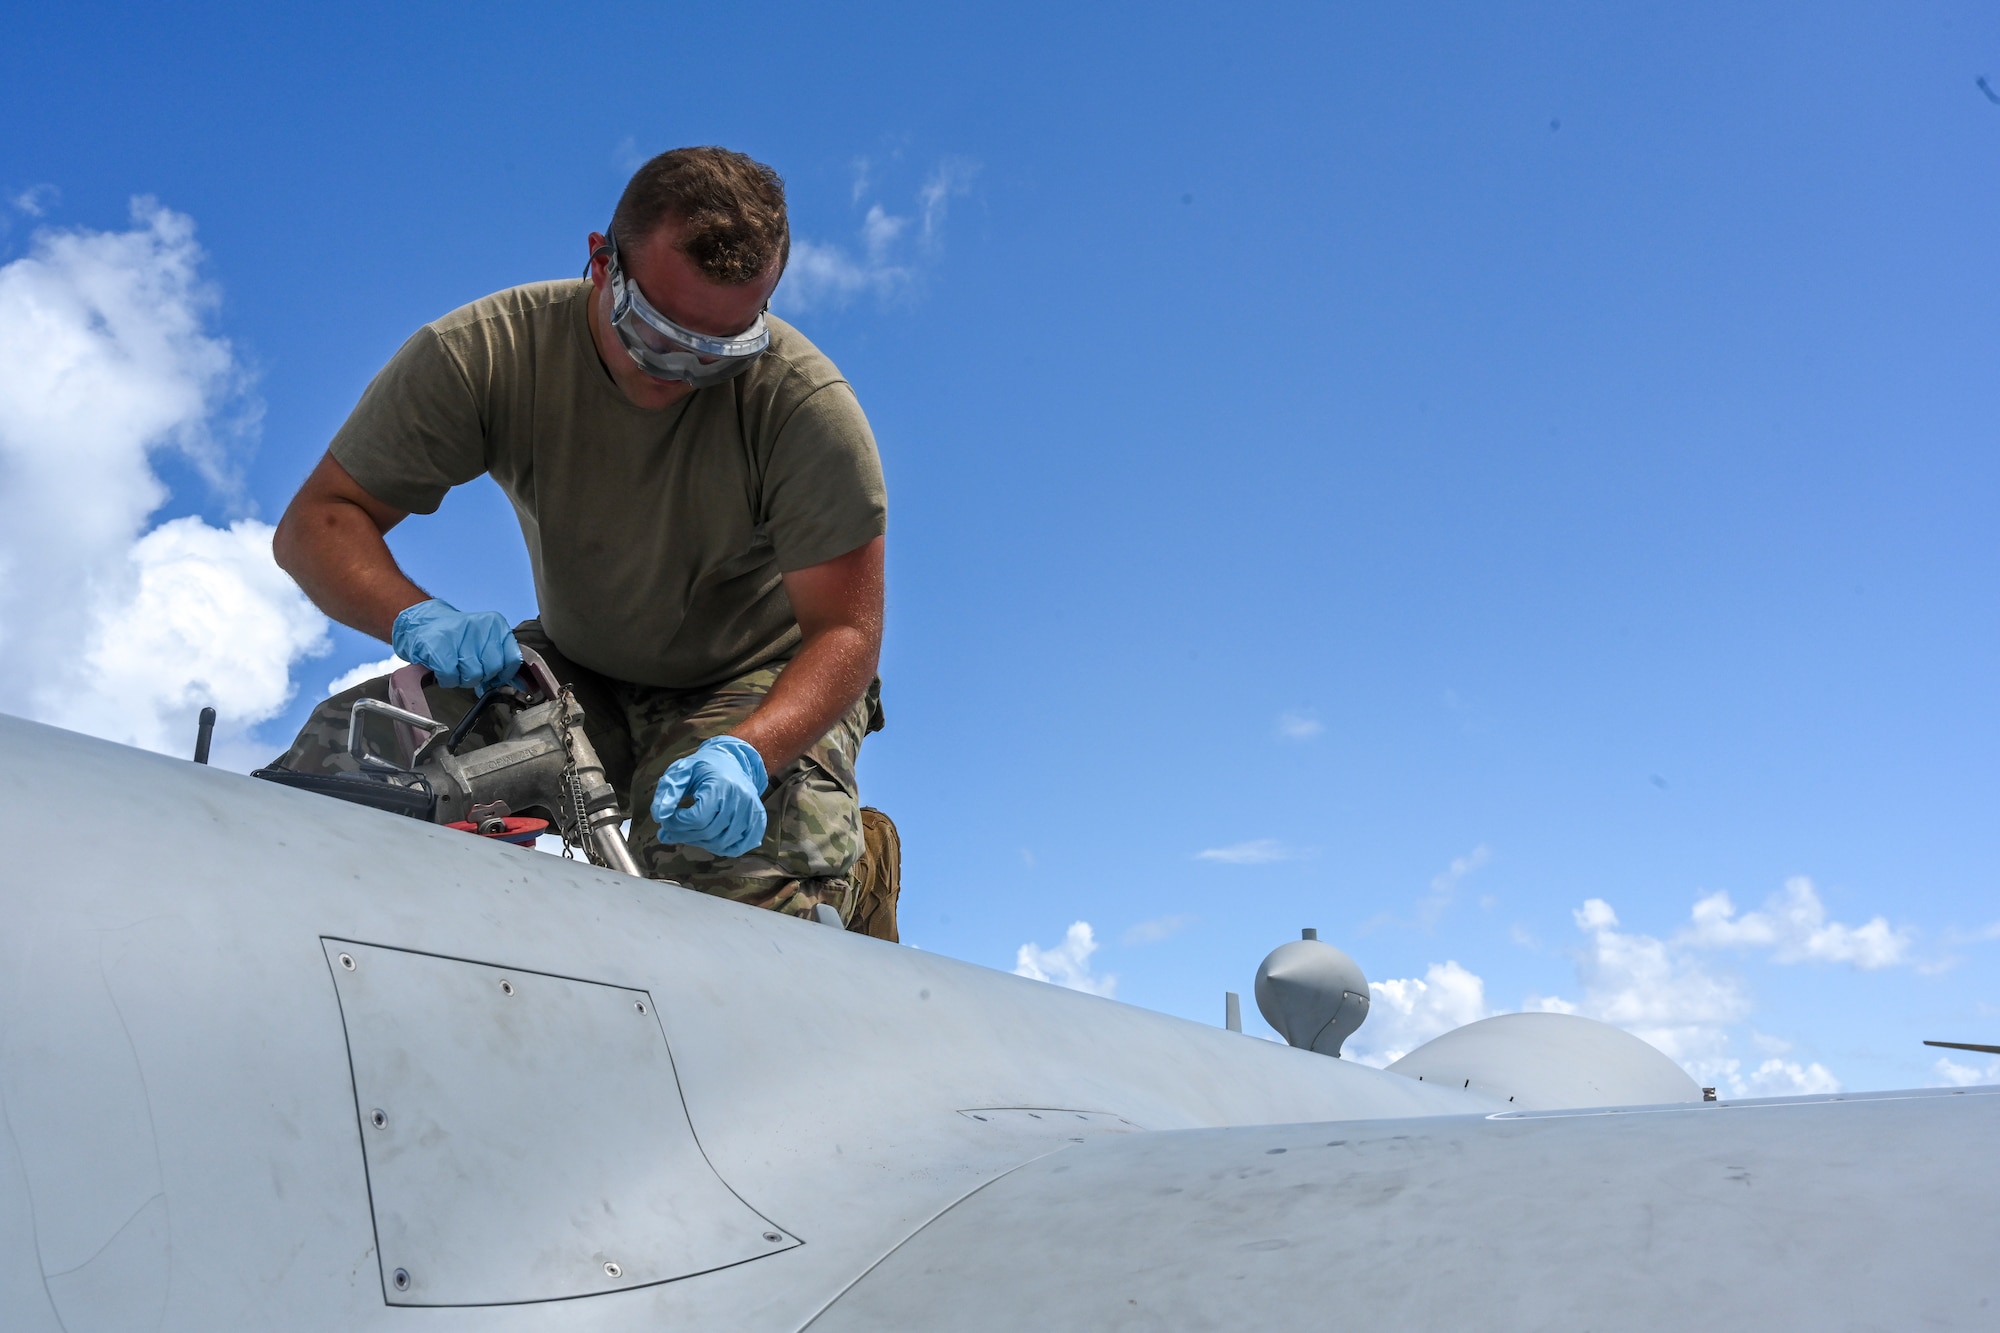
(659, 1022)
(123, 1227)
(481, 962)
(327, 951)
(152, 1136)
(1759, 1104)
(918, 1230)
(687, 1114)
(34, 1222)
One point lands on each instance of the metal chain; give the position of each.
(572, 785)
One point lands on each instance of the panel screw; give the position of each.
(613, 1270)
(379, 1118)
(347, 961)
(773, 1237)
(506, 988)
(401, 1279)
(640, 1005)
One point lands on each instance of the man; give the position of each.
(704, 513)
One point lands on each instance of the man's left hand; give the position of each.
(725, 778)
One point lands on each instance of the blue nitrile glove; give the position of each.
(726, 778)
(476, 649)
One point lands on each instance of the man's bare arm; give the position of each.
(839, 608)
(330, 541)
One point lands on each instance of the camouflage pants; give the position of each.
(813, 835)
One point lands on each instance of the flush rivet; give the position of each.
(401, 1279)
(640, 1005)
(347, 961)
(613, 1270)
(379, 1118)
(506, 988)
(773, 1237)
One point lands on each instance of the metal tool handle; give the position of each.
(537, 673)
(390, 711)
(472, 715)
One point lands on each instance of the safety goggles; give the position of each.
(668, 351)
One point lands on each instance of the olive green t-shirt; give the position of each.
(657, 538)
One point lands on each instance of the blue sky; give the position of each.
(1409, 474)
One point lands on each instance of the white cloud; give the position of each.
(628, 157)
(1951, 1073)
(105, 359)
(1663, 991)
(1794, 927)
(952, 178)
(1256, 852)
(1665, 994)
(1404, 1014)
(1785, 1078)
(1654, 991)
(827, 274)
(353, 676)
(210, 619)
(1444, 886)
(1152, 932)
(1067, 964)
(37, 200)
(879, 231)
(1299, 726)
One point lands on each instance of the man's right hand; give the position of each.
(461, 648)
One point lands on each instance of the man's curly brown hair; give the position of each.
(733, 208)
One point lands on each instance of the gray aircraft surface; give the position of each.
(272, 1061)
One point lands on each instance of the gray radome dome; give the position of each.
(1313, 994)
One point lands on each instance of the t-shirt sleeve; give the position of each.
(823, 494)
(416, 432)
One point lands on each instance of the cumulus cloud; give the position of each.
(1643, 985)
(1784, 1078)
(1665, 991)
(1067, 964)
(208, 618)
(1666, 994)
(889, 253)
(1299, 726)
(1256, 852)
(106, 361)
(1950, 1073)
(1793, 926)
(1404, 1014)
